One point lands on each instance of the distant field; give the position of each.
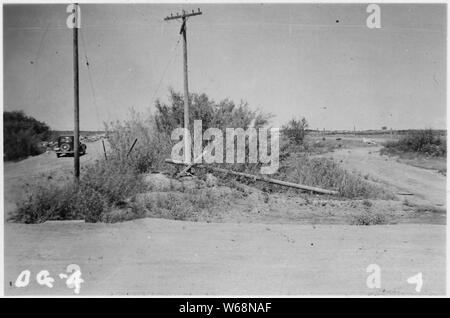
(328, 143)
(379, 133)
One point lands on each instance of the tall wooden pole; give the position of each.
(187, 144)
(183, 17)
(76, 141)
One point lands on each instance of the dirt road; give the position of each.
(154, 256)
(426, 186)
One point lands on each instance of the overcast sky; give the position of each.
(317, 61)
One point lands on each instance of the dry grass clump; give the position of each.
(193, 205)
(368, 218)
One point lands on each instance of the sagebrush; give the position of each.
(426, 142)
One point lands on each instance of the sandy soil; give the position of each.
(427, 187)
(153, 256)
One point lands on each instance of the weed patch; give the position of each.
(368, 218)
(425, 142)
(104, 186)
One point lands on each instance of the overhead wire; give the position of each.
(91, 83)
(174, 53)
(36, 59)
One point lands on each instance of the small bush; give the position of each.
(90, 203)
(115, 180)
(104, 186)
(367, 218)
(420, 141)
(67, 202)
(295, 130)
(46, 201)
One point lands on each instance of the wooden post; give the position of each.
(187, 144)
(104, 150)
(132, 146)
(183, 17)
(76, 141)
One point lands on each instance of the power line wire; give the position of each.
(91, 84)
(237, 24)
(166, 68)
(36, 59)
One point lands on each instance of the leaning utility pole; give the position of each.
(183, 17)
(76, 141)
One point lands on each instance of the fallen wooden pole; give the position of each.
(251, 176)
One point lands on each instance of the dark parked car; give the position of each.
(65, 146)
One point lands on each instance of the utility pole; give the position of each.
(183, 16)
(76, 141)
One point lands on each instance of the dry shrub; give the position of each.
(193, 205)
(52, 202)
(425, 142)
(367, 218)
(151, 148)
(115, 180)
(295, 130)
(103, 186)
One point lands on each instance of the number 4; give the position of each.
(74, 281)
(416, 279)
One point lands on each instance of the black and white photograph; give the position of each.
(224, 149)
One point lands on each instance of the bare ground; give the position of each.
(154, 256)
